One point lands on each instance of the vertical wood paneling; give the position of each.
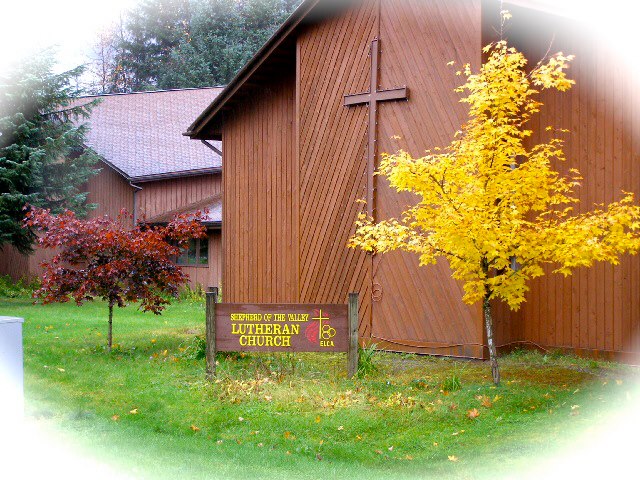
(596, 309)
(260, 249)
(295, 162)
(111, 192)
(422, 306)
(16, 265)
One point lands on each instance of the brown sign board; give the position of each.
(282, 327)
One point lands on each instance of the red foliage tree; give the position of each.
(100, 258)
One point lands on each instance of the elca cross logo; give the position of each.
(319, 330)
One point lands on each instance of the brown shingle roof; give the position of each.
(140, 134)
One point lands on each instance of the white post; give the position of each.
(11, 371)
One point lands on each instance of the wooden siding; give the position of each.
(163, 196)
(421, 308)
(596, 310)
(295, 164)
(260, 184)
(333, 62)
(111, 192)
(19, 266)
(329, 172)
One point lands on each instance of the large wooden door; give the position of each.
(420, 308)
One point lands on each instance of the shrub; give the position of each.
(366, 365)
(21, 288)
(452, 383)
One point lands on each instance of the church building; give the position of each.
(304, 123)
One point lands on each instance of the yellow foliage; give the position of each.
(494, 208)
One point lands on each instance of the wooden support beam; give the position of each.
(353, 354)
(210, 331)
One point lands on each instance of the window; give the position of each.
(196, 254)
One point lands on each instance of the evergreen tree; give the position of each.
(165, 44)
(153, 30)
(42, 158)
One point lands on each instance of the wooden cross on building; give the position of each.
(371, 99)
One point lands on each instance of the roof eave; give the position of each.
(181, 174)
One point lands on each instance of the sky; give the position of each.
(71, 25)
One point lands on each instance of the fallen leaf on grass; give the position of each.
(408, 457)
(134, 411)
(379, 452)
(241, 419)
(452, 458)
(318, 419)
(484, 401)
(390, 448)
(435, 444)
(60, 369)
(219, 442)
(115, 418)
(340, 427)
(473, 413)
(194, 428)
(318, 457)
(288, 435)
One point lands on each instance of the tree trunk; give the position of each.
(488, 324)
(110, 332)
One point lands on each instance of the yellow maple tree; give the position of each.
(493, 206)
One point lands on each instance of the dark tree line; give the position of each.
(164, 44)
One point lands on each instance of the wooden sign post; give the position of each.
(210, 331)
(252, 327)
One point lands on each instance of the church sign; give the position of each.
(271, 327)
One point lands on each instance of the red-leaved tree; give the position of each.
(100, 258)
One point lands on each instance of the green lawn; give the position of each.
(146, 411)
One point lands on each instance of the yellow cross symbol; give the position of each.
(320, 318)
